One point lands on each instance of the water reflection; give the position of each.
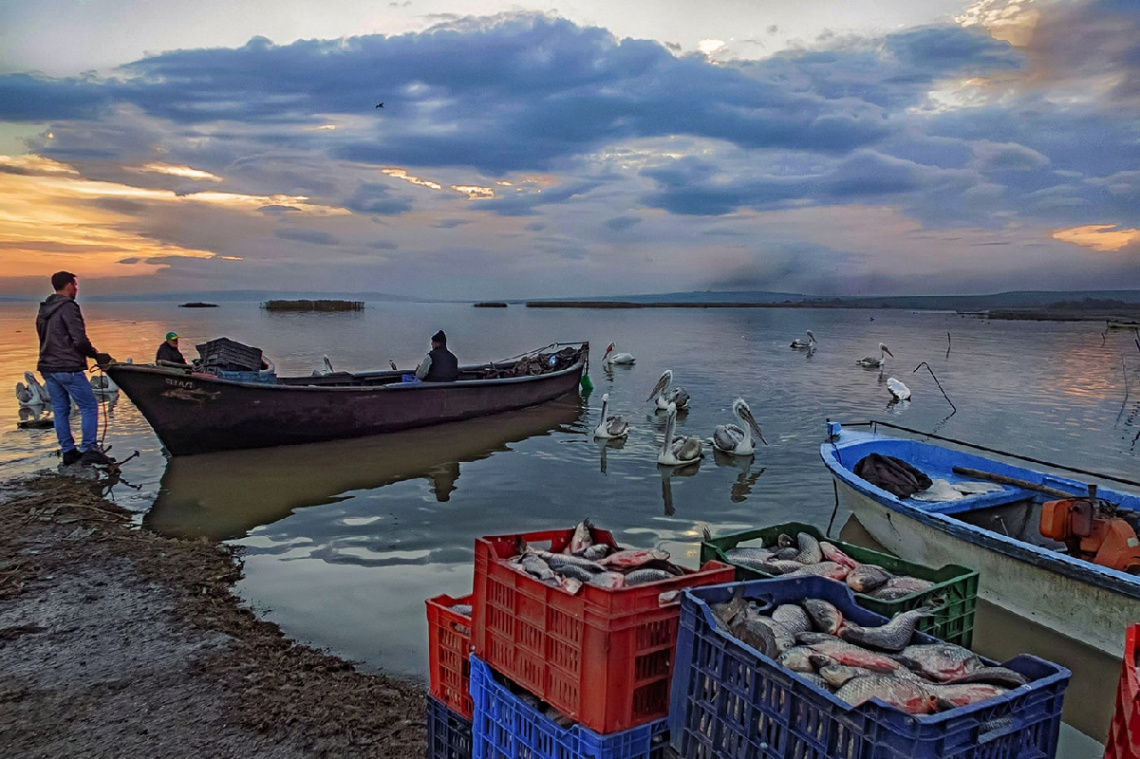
(225, 495)
(742, 487)
(667, 474)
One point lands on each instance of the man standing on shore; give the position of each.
(64, 350)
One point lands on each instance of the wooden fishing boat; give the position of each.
(1123, 324)
(195, 412)
(999, 533)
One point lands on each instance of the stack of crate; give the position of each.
(449, 673)
(559, 674)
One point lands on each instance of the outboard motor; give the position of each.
(1090, 530)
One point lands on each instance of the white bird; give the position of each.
(900, 391)
(326, 368)
(611, 427)
(873, 362)
(800, 344)
(40, 390)
(609, 358)
(678, 450)
(26, 396)
(102, 384)
(737, 439)
(665, 395)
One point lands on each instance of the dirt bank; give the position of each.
(118, 642)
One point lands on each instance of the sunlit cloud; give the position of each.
(405, 176)
(184, 172)
(474, 192)
(30, 163)
(1011, 21)
(1105, 238)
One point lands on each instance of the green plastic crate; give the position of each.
(956, 587)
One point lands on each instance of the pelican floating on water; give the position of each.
(609, 358)
(101, 384)
(34, 394)
(678, 450)
(610, 427)
(325, 369)
(872, 362)
(737, 438)
(665, 395)
(800, 344)
(900, 391)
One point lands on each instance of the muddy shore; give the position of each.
(115, 641)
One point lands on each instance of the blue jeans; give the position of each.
(66, 387)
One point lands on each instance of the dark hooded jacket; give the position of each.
(64, 346)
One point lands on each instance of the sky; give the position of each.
(827, 147)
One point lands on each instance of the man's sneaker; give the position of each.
(94, 456)
(71, 457)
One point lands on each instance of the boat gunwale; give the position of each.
(1068, 566)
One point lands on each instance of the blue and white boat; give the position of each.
(993, 524)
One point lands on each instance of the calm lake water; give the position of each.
(345, 540)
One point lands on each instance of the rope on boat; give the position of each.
(875, 423)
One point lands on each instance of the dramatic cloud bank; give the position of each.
(523, 156)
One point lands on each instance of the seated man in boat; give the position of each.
(168, 350)
(441, 365)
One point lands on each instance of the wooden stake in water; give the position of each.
(936, 382)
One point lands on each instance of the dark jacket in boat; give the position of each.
(441, 365)
(64, 346)
(167, 352)
(893, 475)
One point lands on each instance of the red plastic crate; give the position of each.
(602, 657)
(1124, 732)
(449, 646)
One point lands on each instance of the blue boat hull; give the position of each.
(995, 533)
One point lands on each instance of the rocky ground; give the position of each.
(118, 642)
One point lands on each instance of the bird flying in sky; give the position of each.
(379, 105)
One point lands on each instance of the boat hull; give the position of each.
(194, 413)
(1018, 570)
(1079, 610)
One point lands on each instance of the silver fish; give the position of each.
(940, 662)
(463, 610)
(608, 580)
(855, 656)
(556, 560)
(571, 570)
(838, 675)
(797, 659)
(1002, 676)
(792, 617)
(813, 678)
(832, 552)
(909, 695)
(808, 638)
(893, 636)
(810, 552)
(642, 576)
(583, 537)
(824, 615)
(900, 587)
(821, 569)
(534, 565)
(748, 630)
(754, 554)
(779, 566)
(867, 577)
(596, 551)
(963, 694)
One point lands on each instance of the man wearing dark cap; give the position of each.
(64, 350)
(441, 365)
(168, 350)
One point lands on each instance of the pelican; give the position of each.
(679, 450)
(609, 358)
(326, 367)
(666, 395)
(27, 396)
(800, 344)
(40, 390)
(101, 384)
(874, 363)
(737, 439)
(900, 391)
(611, 426)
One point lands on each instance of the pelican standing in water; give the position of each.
(800, 344)
(678, 450)
(871, 362)
(736, 439)
(27, 396)
(101, 384)
(900, 391)
(325, 369)
(609, 358)
(665, 395)
(611, 427)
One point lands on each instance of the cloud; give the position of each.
(375, 198)
(621, 223)
(300, 234)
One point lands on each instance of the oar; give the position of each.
(1005, 480)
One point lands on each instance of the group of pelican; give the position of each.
(679, 450)
(36, 395)
(898, 391)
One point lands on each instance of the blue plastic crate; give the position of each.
(263, 377)
(728, 700)
(506, 727)
(449, 733)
